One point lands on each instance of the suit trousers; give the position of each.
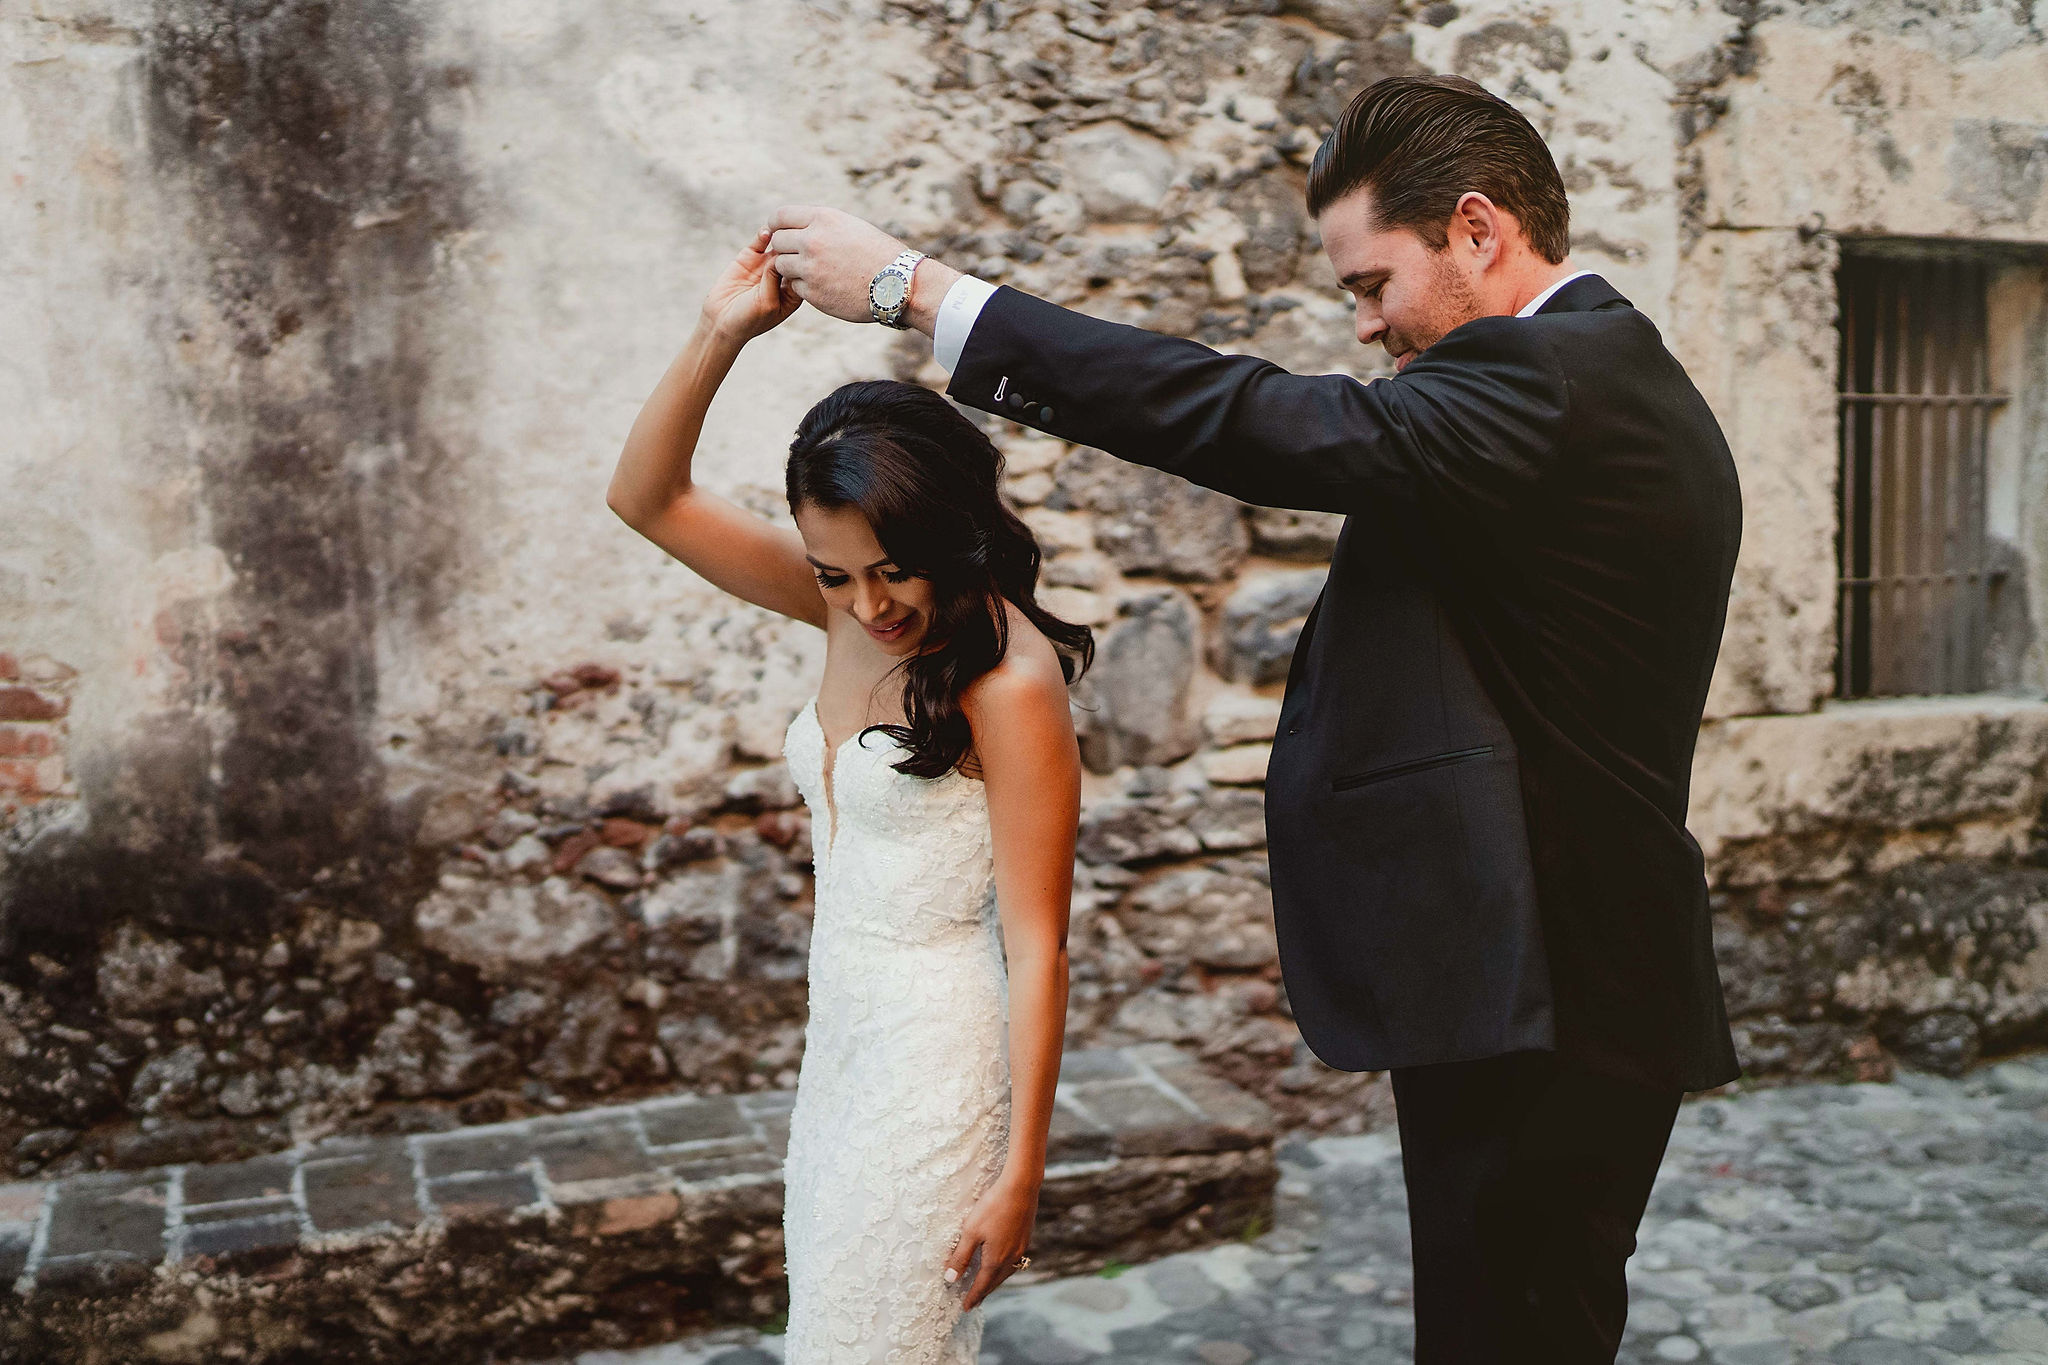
(1527, 1177)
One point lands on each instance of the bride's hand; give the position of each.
(750, 297)
(1000, 1225)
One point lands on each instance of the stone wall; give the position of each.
(357, 766)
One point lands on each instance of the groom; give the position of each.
(1482, 880)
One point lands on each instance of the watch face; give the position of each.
(889, 291)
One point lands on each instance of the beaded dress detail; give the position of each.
(902, 1110)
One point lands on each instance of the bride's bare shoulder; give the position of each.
(1028, 674)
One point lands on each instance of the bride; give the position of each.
(939, 762)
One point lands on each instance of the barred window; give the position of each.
(1918, 576)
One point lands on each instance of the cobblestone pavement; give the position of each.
(1900, 1224)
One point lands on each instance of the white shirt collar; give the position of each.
(1544, 297)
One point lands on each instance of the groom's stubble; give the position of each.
(1454, 302)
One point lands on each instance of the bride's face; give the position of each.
(856, 576)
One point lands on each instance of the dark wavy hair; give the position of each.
(928, 481)
(1421, 142)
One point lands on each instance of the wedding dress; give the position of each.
(902, 1110)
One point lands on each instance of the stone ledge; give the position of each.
(1863, 787)
(597, 1228)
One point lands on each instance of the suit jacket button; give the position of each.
(1016, 399)
(1045, 414)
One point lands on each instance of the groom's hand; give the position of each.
(829, 257)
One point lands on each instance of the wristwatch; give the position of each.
(889, 290)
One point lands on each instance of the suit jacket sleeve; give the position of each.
(1467, 426)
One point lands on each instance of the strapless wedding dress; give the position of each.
(902, 1112)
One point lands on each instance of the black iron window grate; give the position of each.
(1916, 578)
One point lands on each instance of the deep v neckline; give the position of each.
(828, 769)
(828, 765)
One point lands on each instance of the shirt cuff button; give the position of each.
(1045, 414)
(1016, 400)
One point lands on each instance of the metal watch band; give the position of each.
(904, 267)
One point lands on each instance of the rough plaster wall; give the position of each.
(621, 158)
(1907, 120)
(2017, 456)
(97, 539)
(365, 770)
(337, 319)
(1767, 302)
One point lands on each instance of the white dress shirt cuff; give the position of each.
(957, 312)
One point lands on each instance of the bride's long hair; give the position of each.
(928, 481)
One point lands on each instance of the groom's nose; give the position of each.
(1371, 326)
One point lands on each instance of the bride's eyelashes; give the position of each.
(834, 580)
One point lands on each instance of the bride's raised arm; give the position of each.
(651, 490)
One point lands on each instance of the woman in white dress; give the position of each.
(939, 762)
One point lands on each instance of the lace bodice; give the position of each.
(903, 1099)
(916, 850)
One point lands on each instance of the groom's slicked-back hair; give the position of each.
(1420, 142)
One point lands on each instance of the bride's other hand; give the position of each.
(750, 297)
(1000, 1225)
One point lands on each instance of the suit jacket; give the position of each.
(1476, 800)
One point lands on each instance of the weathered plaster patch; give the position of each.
(1846, 791)
(1996, 168)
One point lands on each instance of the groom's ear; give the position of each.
(1480, 224)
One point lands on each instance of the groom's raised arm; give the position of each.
(1465, 427)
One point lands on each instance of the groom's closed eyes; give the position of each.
(1368, 281)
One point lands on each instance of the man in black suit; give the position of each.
(1482, 880)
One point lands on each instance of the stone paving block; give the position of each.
(1095, 1064)
(545, 1125)
(241, 1208)
(328, 1149)
(362, 1191)
(22, 1204)
(593, 1151)
(269, 1232)
(756, 1103)
(775, 1136)
(1142, 1118)
(122, 1214)
(1240, 1119)
(1075, 1136)
(266, 1177)
(482, 1198)
(721, 1167)
(671, 1123)
(499, 1149)
(97, 1276)
(14, 1244)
